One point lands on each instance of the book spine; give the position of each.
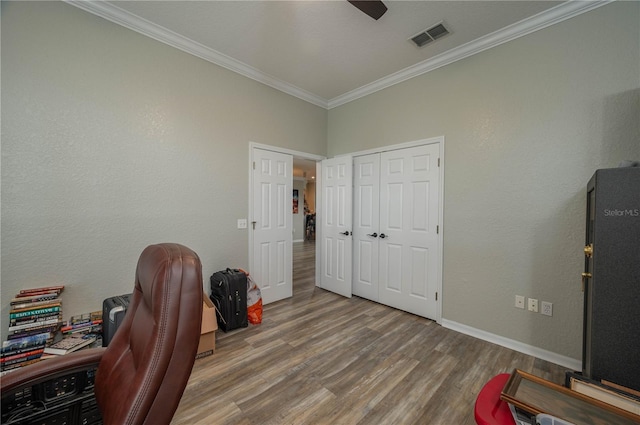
(16, 308)
(22, 350)
(20, 362)
(81, 325)
(33, 325)
(43, 289)
(88, 330)
(22, 355)
(22, 333)
(33, 312)
(22, 343)
(37, 294)
(42, 336)
(35, 319)
(31, 298)
(80, 318)
(8, 369)
(50, 331)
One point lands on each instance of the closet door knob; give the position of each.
(374, 234)
(382, 236)
(345, 233)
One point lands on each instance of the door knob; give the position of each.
(347, 233)
(382, 236)
(374, 234)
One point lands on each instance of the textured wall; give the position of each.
(112, 141)
(526, 124)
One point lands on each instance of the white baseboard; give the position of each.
(298, 240)
(540, 353)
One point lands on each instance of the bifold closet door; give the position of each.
(336, 242)
(396, 249)
(409, 250)
(366, 225)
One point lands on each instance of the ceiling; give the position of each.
(329, 52)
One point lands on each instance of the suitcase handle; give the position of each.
(219, 313)
(237, 302)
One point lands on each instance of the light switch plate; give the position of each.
(242, 223)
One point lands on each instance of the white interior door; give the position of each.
(409, 223)
(366, 225)
(272, 181)
(336, 239)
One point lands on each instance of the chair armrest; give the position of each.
(50, 368)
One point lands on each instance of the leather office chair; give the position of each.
(143, 372)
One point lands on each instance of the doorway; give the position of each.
(304, 224)
(276, 196)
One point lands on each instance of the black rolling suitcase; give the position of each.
(229, 296)
(113, 312)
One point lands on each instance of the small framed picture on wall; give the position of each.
(295, 201)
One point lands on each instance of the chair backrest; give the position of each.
(147, 364)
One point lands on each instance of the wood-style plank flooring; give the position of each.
(319, 358)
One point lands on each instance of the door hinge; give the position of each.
(253, 223)
(254, 165)
(438, 229)
(436, 296)
(438, 162)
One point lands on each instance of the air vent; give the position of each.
(430, 34)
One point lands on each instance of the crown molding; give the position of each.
(140, 25)
(537, 22)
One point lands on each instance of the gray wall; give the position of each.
(112, 141)
(525, 125)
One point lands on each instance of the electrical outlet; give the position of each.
(520, 301)
(546, 308)
(242, 223)
(533, 305)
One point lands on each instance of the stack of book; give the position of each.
(83, 324)
(69, 344)
(22, 351)
(80, 331)
(34, 319)
(35, 311)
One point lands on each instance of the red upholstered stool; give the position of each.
(490, 410)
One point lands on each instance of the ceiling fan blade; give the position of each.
(373, 8)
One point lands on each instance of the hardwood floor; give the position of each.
(319, 358)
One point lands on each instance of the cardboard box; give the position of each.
(208, 329)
